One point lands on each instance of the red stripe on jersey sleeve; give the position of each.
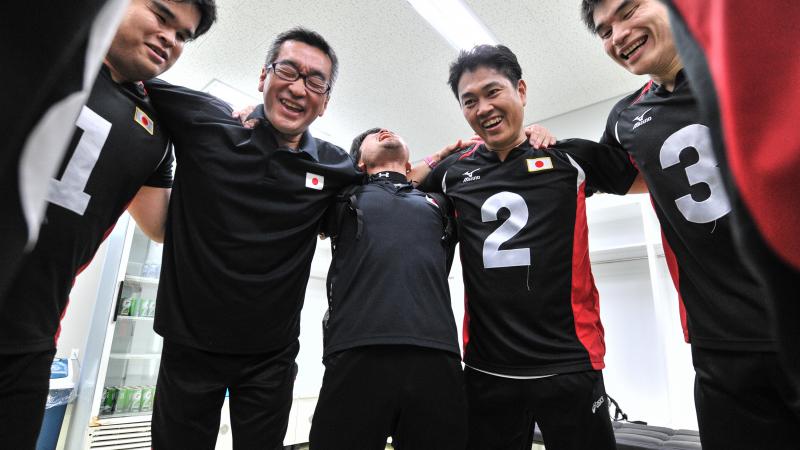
(644, 91)
(465, 327)
(672, 264)
(585, 300)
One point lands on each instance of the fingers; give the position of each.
(539, 136)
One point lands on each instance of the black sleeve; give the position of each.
(162, 177)
(607, 169)
(450, 230)
(178, 106)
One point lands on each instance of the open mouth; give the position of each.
(292, 106)
(631, 49)
(385, 135)
(494, 122)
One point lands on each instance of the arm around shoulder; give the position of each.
(149, 209)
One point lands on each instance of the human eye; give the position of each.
(287, 70)
(630, 12)
(317, 82)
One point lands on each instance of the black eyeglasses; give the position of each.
(288, 72)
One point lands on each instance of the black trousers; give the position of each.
(413, 394)
(742, 401)
(190, 392)
(570, 409)
(24, 384)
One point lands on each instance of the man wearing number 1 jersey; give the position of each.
(533, 341)
(118, 158)
(739, 383)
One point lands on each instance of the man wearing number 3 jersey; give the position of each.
(533, 341)
(118, 158)
(739, 384)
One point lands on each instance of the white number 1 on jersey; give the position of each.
(68, 192)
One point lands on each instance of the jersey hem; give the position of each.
(550, 369)
(396, 340)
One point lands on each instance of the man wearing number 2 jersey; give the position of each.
(118, 158)
(739, 383)
(533, 341)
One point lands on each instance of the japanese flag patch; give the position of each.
(144, 120)
(537, 164)
(314, 181)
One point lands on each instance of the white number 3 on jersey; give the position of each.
(705, 171)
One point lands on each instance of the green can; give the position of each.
(123, 404)
(125, 306)
(148, 394)
(109, 397)
(136, 305)
(136, 399)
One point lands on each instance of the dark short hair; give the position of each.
(305, 36)
(355, 147)
(208, 14)
(498, 57)
(587, 13)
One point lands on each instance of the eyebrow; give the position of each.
(164, 9)
(621, 6)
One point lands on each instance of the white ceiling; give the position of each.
(394, 66)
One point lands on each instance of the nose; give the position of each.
(619, 36)
(484, 107)
(297, 87)
(168, 38)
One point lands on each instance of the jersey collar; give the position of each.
(307, 143)
(392, 177)
(488, 154)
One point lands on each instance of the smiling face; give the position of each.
(636, 34)
(290, 107)
(150, 38)
(381, 149)
(493, 106)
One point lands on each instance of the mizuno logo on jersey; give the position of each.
(470, 175)
(641, 119)
(314, 181)
(537, 164)
(144, 120)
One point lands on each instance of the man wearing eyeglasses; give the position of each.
(241, 232)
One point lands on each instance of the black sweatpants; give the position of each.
(742, 401)
(24, 384)
(571, 411)
(413, 394)
(190, 392)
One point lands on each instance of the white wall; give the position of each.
(586, 123)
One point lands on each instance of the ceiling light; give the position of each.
(455, 21)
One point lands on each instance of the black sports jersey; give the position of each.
(387, 284)
(49, 72)
(118, 146)
(671, 145)
(242, 225)
(532, 306)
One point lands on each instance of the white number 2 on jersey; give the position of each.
(68, 192)
(493, 257)
(705, 170)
